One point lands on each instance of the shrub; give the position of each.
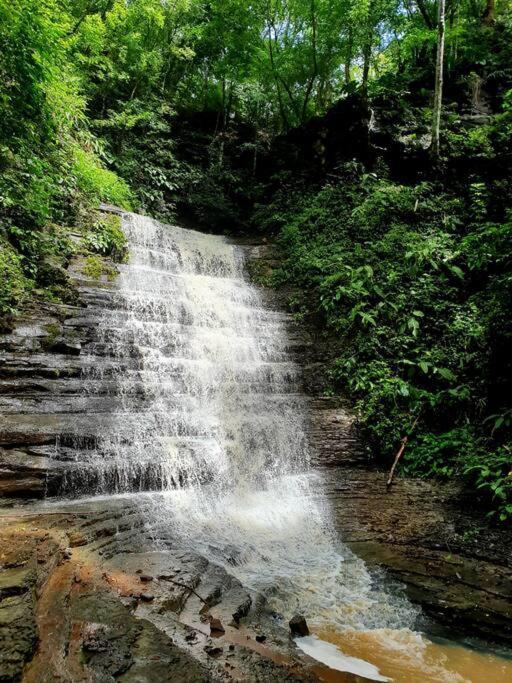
(14, 285)
(107, 238)
(95, 267)
(413, 283)
(97, 183)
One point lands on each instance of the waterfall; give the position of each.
(192, 413)
(207, 428)
(204, 387)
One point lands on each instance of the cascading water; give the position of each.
(208, 413)
(208, 431)
(200, 373)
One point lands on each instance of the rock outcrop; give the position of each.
(85, 569)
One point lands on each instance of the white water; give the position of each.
(208, 415)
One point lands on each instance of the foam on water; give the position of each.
(329, 654)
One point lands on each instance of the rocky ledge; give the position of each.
(84, 596)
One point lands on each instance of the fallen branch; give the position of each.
(401, 451)
(184, 585)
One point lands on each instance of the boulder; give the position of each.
(298, 626)
(216, 625)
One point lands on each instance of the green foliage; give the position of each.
(107, 238)
(50, 170)
(139, 133)
(14, 286)
(491, 474)
(95, 267)
(414, 284)
(97, 183)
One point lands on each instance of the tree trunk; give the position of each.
(438, 89)
(367, 56)
(315, 64)
(348, 57)
(488, 15)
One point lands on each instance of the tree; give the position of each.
(438, 88)
(488, 15)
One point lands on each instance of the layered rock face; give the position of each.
(42, 399)
(52, 420)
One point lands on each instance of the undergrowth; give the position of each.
(414, 284)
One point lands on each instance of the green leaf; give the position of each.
(446, 374)
(456, 271)
(499, 422)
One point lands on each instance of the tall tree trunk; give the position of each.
(488, 15)
(284, 118)
(348, 57)
(315, 64)
(438, 89)
(367, 56)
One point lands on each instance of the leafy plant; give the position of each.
(107, 238)
(14, 285)
(97, 183)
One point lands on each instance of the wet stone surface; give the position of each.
(84, 614)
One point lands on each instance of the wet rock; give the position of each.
(66, 346)
(242, 610)
(298, 626)
(233, 555)
(20, 576)
(24, 473)
(117, 646)
(76, 539)
(16, 581)
(12, 485)
(146, 597)
(173, 604)
(95, 638)
(216, 625)
(17, 635)
(51, 272)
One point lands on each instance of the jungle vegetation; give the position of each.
(399, 250)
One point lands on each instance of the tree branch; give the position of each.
(401, 451)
